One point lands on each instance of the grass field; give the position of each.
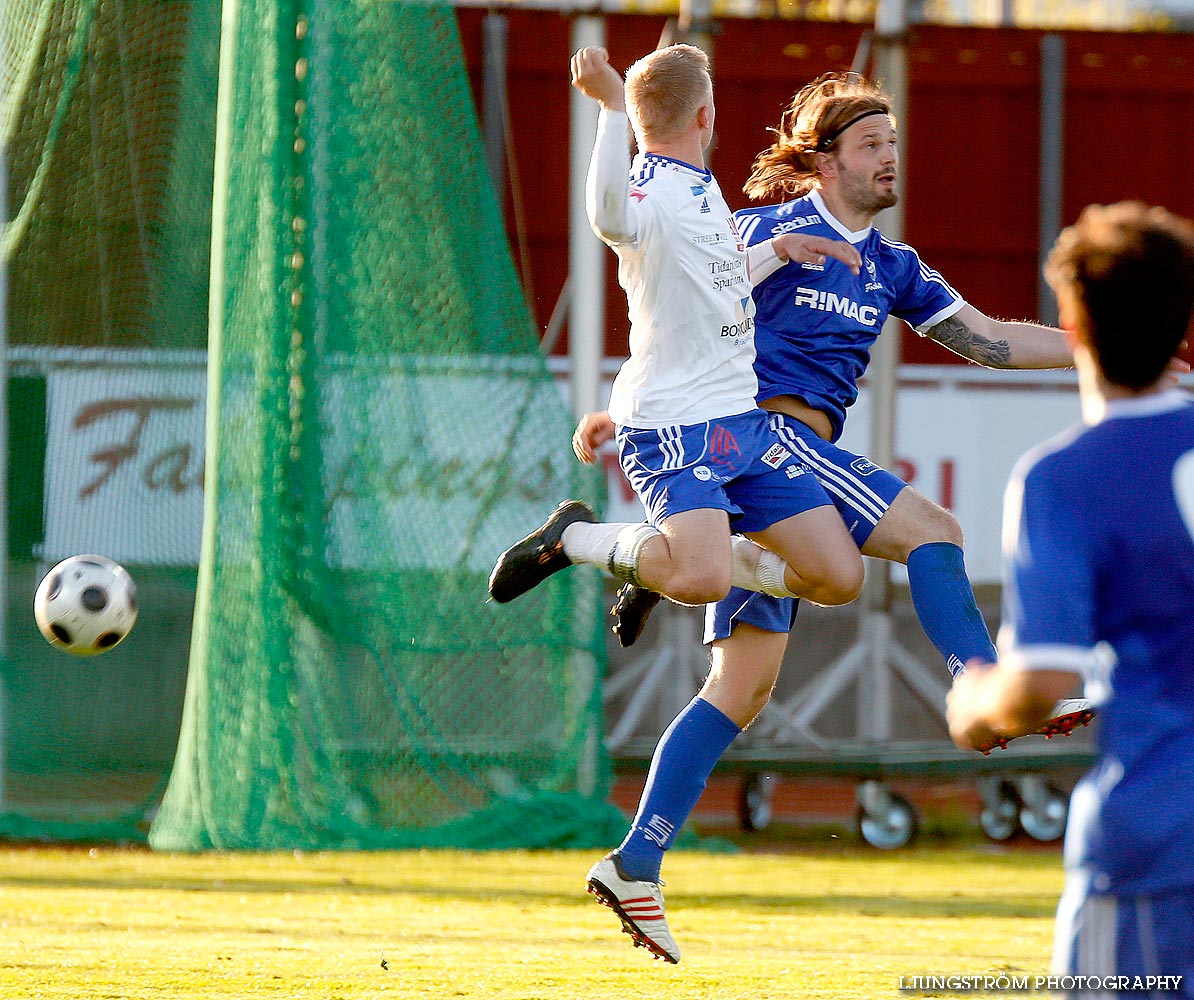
(833, 922)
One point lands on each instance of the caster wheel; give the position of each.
(1043, 816)
(756, 801)
(885, 820)
(1000, 818)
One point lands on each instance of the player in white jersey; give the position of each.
(692, 441)
(1099, 587)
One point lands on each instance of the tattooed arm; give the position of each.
(995, 343)
(999, 343)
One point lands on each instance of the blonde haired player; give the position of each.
(697, 450)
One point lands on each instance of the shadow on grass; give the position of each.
(877, 904)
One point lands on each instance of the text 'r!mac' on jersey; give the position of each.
(815, 324)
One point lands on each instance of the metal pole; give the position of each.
(1052, 145)
(891, 70)
(586, 253)
(494, 31)
(695, 25)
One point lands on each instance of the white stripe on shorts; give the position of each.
(672, 446)
(1097, 917)
(850, 488)
(1147, 937)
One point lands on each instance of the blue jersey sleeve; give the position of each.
(923, 298)
(1050, 572)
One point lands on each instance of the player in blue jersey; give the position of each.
(831, 169)
(1099, 588)
(691, 439)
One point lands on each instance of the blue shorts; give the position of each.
(1119, 938)
(735, 464)
(861, 491)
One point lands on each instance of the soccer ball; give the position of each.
(85, 605)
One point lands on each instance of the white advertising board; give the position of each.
(427, 442)
(124, 463)
(124, 468)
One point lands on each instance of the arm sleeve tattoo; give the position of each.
(955, 335)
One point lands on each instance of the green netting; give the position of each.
(107, 114)
(378, 426)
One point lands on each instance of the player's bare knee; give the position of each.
(739, 700)
(840, 592)
(839, 584)
(753, 704)
(934, 524)
(948, 528)
(700, 586)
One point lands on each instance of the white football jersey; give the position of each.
(683, 267)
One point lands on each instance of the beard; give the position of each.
(882, 200)
(862, 196)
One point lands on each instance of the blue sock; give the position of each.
(945, 604)
(684, 758)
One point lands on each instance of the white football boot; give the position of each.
(639, 905)
(1068, 714)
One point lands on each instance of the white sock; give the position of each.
(771, 575)
(623, 558)
(755, 568)
(745, 562)
(592, 543)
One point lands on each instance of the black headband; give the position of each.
(829, 140)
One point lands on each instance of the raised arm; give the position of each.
(607, 196)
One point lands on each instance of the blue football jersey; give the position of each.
(814, 324)
(1099, 559)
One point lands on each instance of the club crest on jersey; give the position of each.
(775, 456)
(697, 189)
(874, 285)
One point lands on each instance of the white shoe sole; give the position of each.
(607, 897)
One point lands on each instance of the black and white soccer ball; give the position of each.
(85, 605)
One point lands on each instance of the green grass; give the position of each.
(833, 922)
